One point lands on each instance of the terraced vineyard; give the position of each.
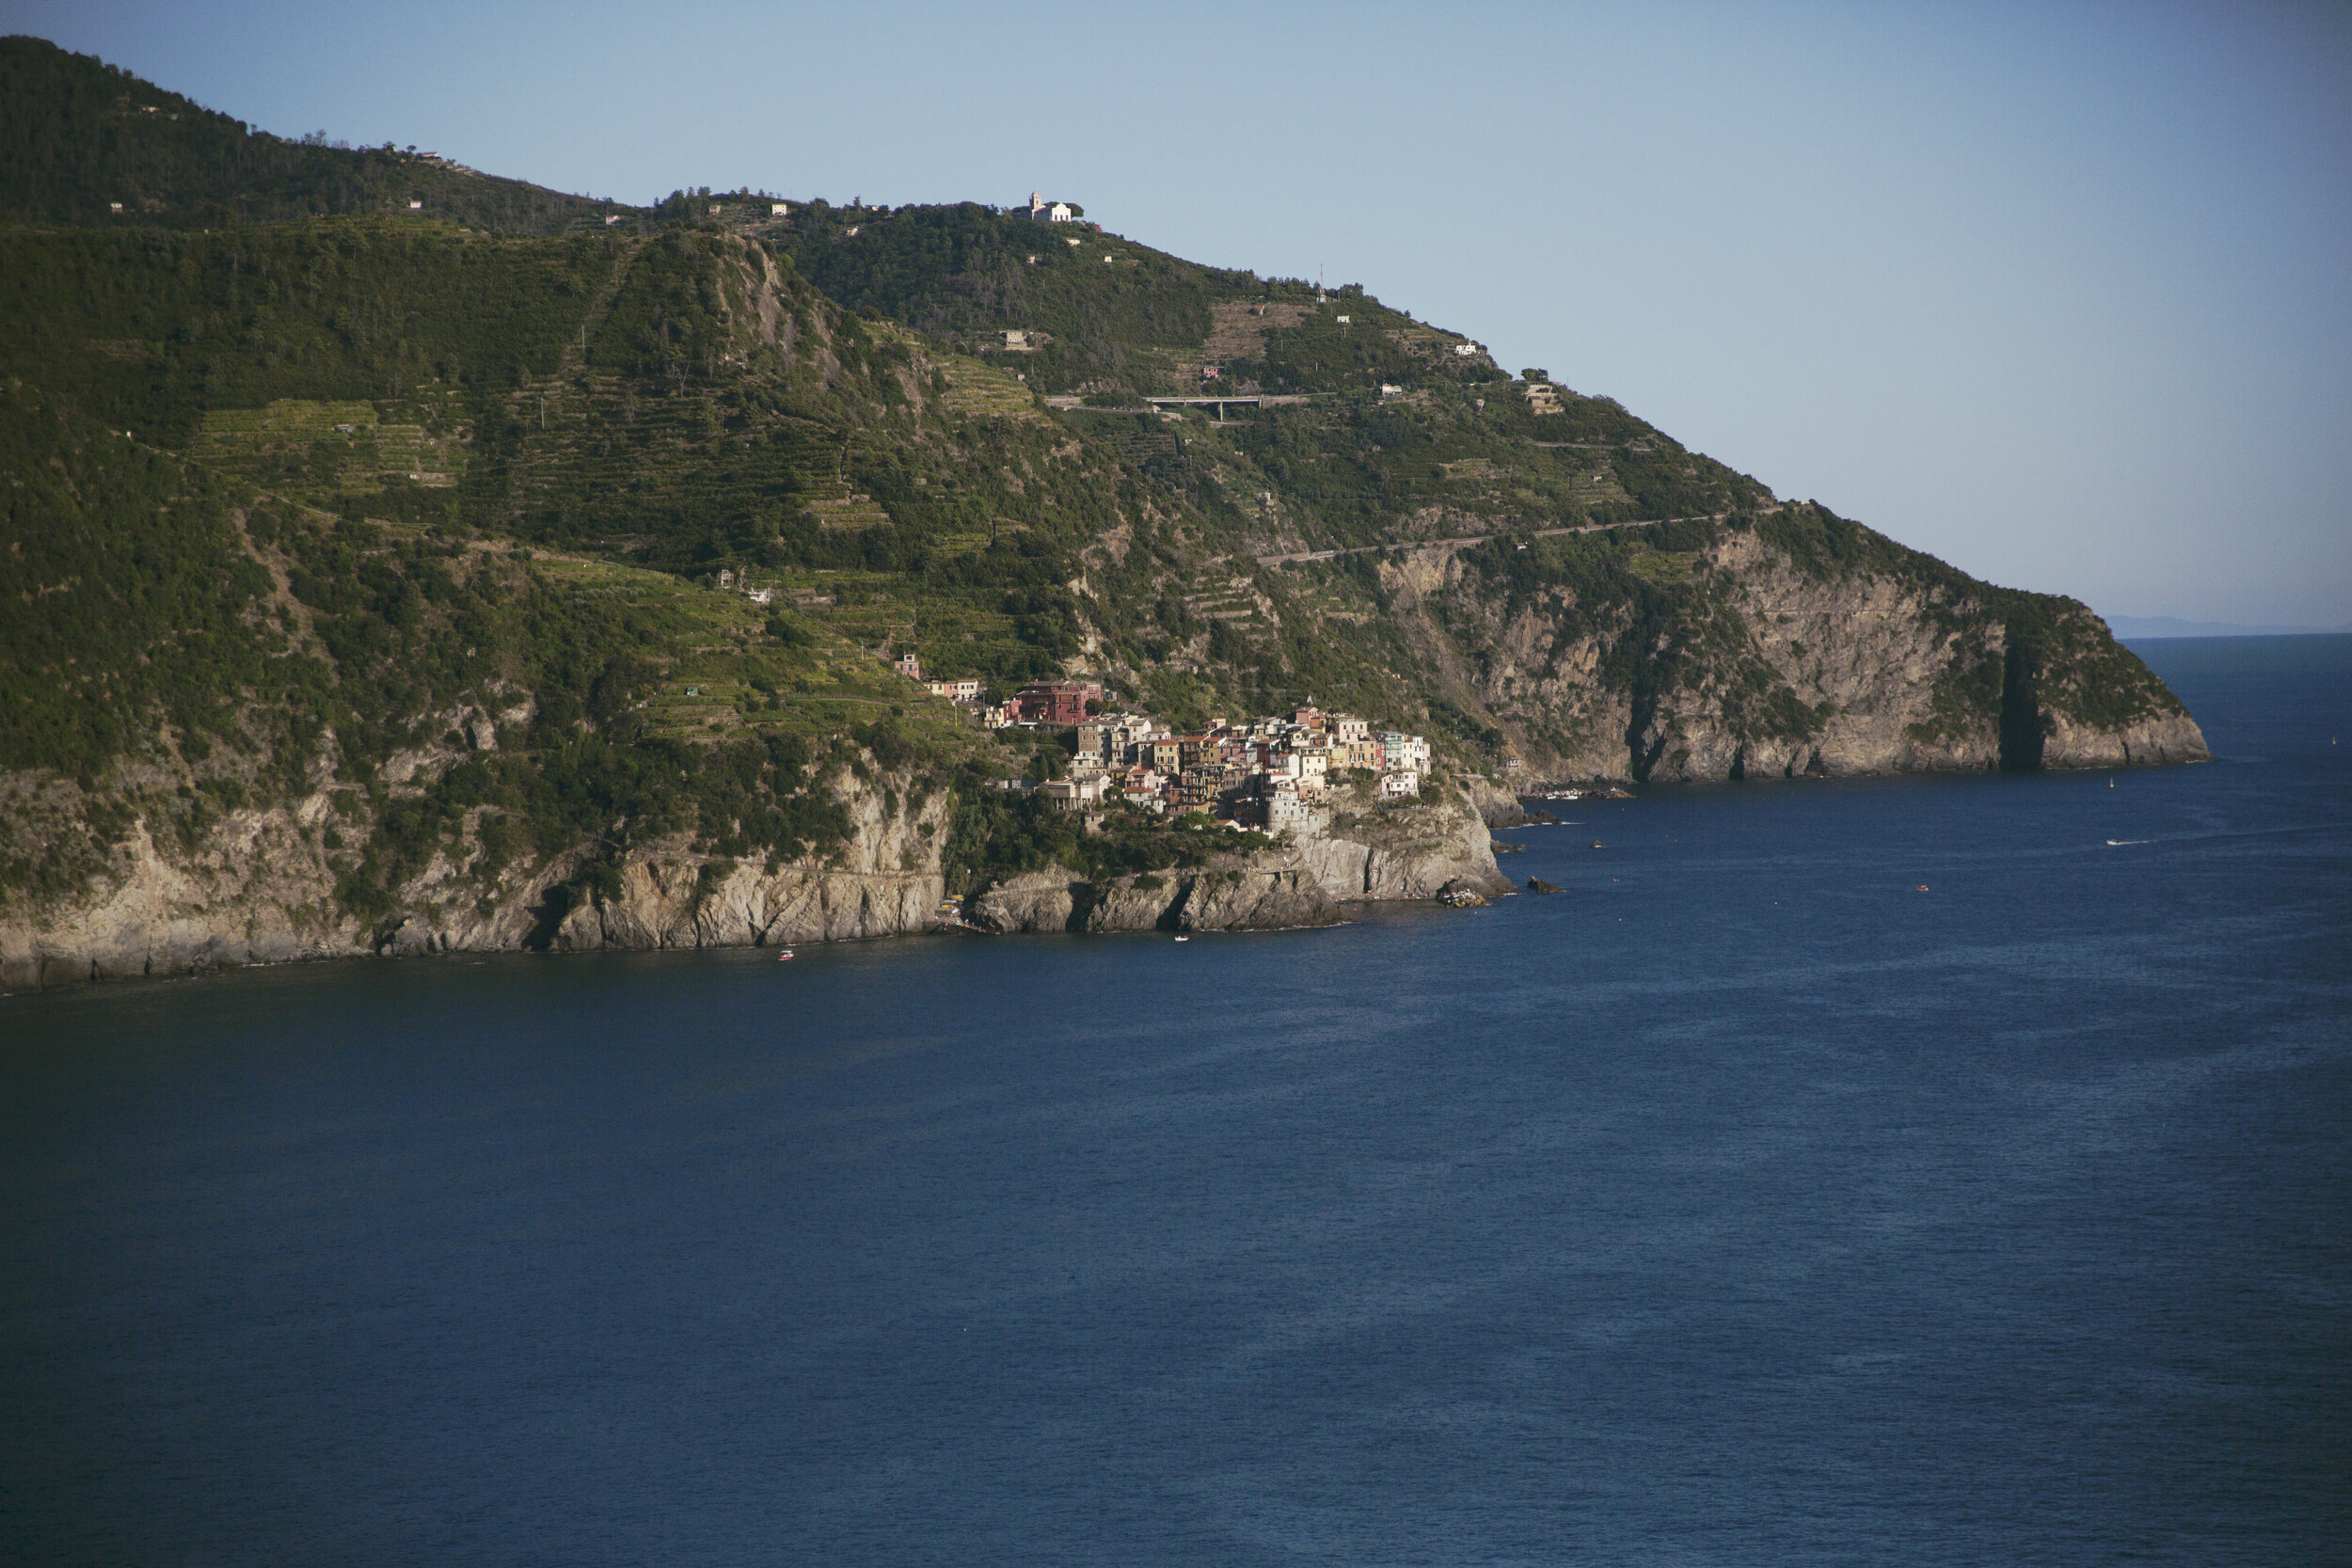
(323, 449)
(719, 672)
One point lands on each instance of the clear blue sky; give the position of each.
(2061, 294)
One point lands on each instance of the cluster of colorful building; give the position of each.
(1269, 773)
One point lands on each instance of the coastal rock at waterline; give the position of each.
(672, 903)
(1536, 884)
(1256, 900)
(261, 889)
(1226, 898)
(1498, 806)
(1031, 902)
(257, 896)
(1408, 852)
(2152, 741)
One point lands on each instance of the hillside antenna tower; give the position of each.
(1318, 282)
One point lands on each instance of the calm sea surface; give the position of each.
(1888, 1171)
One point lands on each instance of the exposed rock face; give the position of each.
(259, 889)
(1032, 902)
(1260, 894)
(1254, 897)
(666, 903)
(262, 891)
(888, 883)
(1257, 901)
(2157, 740)
(1775, 667)
(1360, 851)
(1497, 806)
(1437, 848)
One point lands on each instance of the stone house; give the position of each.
(1075, 793)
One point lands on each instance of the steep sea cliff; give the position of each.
(1420, 851)
(1795, 659)
(259, 888)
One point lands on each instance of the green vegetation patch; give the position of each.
(135, 609)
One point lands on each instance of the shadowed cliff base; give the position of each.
(2022, 737)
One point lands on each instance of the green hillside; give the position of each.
(1117, 316)
(301, 480)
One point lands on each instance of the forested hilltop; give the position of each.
(381, 569)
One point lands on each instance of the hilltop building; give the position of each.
(1043, 211)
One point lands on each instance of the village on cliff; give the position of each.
(1268, 773)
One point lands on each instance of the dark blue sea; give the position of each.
(1913, 1171)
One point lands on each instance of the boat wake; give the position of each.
(2119, 843)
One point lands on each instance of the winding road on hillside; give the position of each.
(1463, 540)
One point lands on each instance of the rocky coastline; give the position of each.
(261, 893)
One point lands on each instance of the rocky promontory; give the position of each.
(1349, 852)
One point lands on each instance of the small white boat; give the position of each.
(1184, 939)
(783, 954)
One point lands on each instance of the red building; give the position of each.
(1059, 701)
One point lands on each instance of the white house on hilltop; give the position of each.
(1040, 211)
